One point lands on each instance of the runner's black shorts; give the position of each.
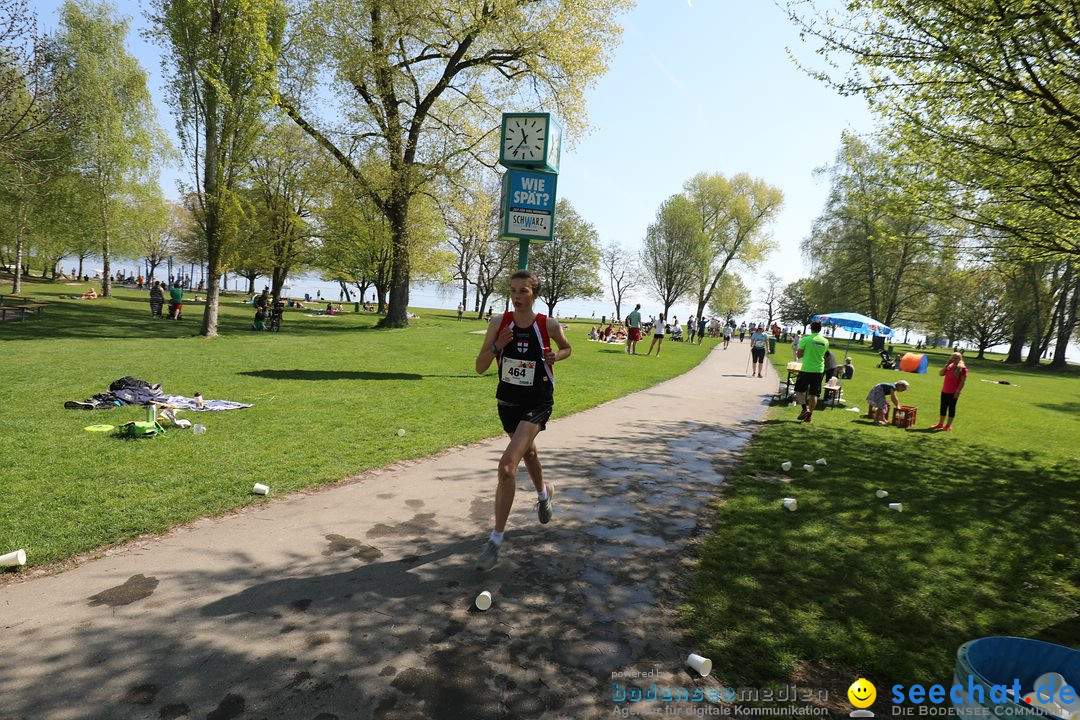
(759, 354)
(809, 383)
(511, 415)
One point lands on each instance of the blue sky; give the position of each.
(704, 85)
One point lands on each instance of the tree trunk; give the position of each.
(1066, 327)
(80, 268)
(1019, 338)
(380, 293)
(397, 313)
(361, 289)
(481, 303)
(477, 307)
(277, 280)
(20, 224)
(106, 261)
(211, 194)
(464, 293)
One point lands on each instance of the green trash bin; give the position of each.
(356, 307)
(772, 345)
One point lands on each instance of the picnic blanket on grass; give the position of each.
(133, 391)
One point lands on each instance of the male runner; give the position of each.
(633, 334)
(520, 342)
(808, 382)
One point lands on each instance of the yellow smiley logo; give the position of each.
(862, 693)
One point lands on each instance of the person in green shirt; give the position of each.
(633, 325)
(812, 350)
(176, 302)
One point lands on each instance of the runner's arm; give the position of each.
(492, 337)
(555, 332)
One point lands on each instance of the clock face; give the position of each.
(524, 138)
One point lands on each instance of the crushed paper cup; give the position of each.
(853, 409)
(808, 468)
(12, 559)
(483, 600)
(261, 489)
(401, 432)
(791, 504)
(821, 461)
(882, 493)
(702, 665)
(786, 465)
(898, 507)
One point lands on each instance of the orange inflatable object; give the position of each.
(914, 362)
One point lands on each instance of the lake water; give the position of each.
(447, 298)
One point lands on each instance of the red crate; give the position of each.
(904, 416)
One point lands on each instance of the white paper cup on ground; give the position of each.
(786, 465)
(198, 429)
(821, 461)
(808, 468)
(898, 507)
(261, 489)
(882, 493)
(701, 665)
(401, 432)
(483, 600)
(12, 559)
(791, 504)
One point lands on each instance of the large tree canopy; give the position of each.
(220, 62)
(115, 135)
(422, 84)
(986, 92)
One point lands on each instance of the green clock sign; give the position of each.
(530, 140)
(529, 148)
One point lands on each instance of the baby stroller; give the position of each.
(887, 362)
(275, 317)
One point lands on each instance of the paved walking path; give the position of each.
(355, 602)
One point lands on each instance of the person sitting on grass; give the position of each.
(593, 335)
(849, 369)
(91, 294)
(260, 319)
(877, 400)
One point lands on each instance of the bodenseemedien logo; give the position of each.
(862, 694)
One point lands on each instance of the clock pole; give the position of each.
(523, 254)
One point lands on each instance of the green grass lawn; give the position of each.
(988, 541)
(329, 394)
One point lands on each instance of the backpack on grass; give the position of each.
(139, 429)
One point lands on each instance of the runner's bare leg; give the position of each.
(521, 443)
